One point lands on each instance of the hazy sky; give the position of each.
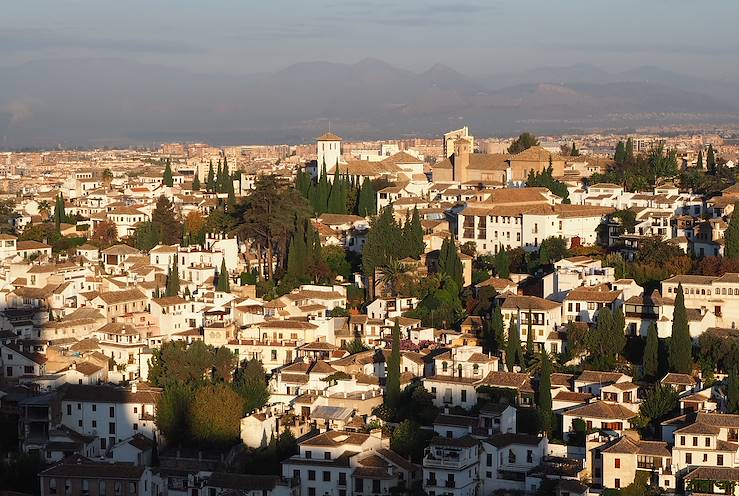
(473, 36)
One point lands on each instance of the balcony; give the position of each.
(450, 483)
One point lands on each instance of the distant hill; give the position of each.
(120, 102)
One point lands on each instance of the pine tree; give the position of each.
(210, 182)
(681, 345)
(196, 181)
(544, 402)
(731, 235)
(620, 156)
(392, 378)
(223, 284)
(173, 279)
(699, 162)
(711, 160)
(502, 264)
(514, 354)
(650, 363)
(167, 180)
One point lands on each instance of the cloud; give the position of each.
(25, 40)
(20, 110)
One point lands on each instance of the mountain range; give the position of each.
(95, 102)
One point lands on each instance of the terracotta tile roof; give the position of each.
(603, 410)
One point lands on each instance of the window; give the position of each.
(94, 407)
(311, 475)
(342, 478)
(529, 456)
(326, 476)
(308, 454)
(617, 483)
(719, 460)
(94, 424)
(708, 442)
(688, 458)
(311, 491)
(617, 463)
(111, 411)
(489, 460)
(376, 486)
(464, 396)
(359, 484)
(52, 486)
(326, 455)
(111, 428)
(69, 409)
(511, 456)
(682, 440)
(695, 441)
(135, 426)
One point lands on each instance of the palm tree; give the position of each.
(44, 208)
(392, 273)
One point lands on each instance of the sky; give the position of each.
(473, 36)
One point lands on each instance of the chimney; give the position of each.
(134, 387)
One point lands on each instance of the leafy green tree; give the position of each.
(650, 361)
(545, 179)
(251, 384)
(173, 412)
(392, 380)
(681, 345)
(553, 249)
(173, 279)
(383, 242)
(731, 235)
(544, 402)
(524, 141)
(408, 441)
(167, 180)
(659, 403)
(215, 414)
(145, 237)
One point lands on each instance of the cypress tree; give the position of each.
(219, 179)
(711, 160)
(629, 151)
(650, 363)
(498, 326)
(731, 235)
(529, 339)
(617, 336)
(367, 203)
(225, 178)
(514, 354)
(732, 391)
(574, 152)
(413, 234)
(502, 263)
(545, 394)
(210, 182)
(620, 156)
(449, 262)
(223, 284)
(336, 202)
(392, 379)
(699, 162)
(173, 279)
(196, 181)
(167, 180)
(322, 193)
(298, 251)
(681, 345)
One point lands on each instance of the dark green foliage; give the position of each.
(173, 412)
(196, 181)
(367, 203)
(383, 242)
(514, 354)
(545, 179)
(524, 141)
(711, 166)
(145, 236)
(607, 340)
(502, 264)
(699, 162)
(650, 363)
(553, 249)
(409, 441)
(450, 263)
(60, 215)
(681, 345)
(19, 474)
(413, 243)
(165, 223)
(620, 155)
(732, 391)
(167, 180)
(173, 279)
(544, 402)
(629, 151)
(731, 235)
(498, 328)
(440, 305)
(658, 405)
(223, 284)
(574, 152)
(250, 382)
(210, 181)
(392, 380)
